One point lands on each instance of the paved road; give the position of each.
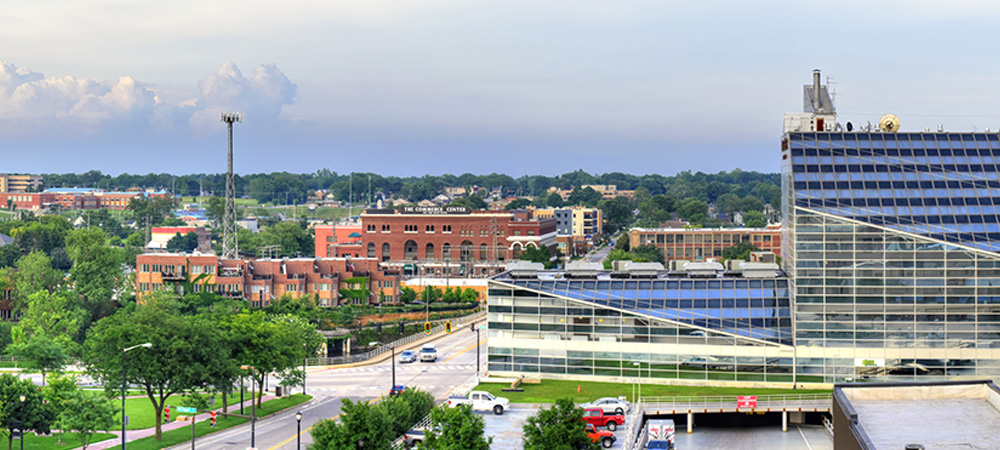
(456, 364)
(599, 254)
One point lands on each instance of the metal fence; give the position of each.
(730, 401)
(635, 434)
(395, 344)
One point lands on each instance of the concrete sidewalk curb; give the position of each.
(187, 443)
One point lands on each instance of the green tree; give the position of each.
(539, 254)
(519, 203)
(554, 200)
(617, 213)
(648, 253)
(751, 203)
(740, 250)
(32, 413)
(754, 219)
(97, 269)
(407, 295)
(691, 206)
(57, 315)
(85, 414)
(362, 426)
(584, 197)
(39, 353)
(560, 427)
(430, 294)
(186, 352)
(34, 274)
(151, 210)
(292, 238)
(271, 344)
(456, 429)
(183, 243)
(623, 243)
(215, 209)
(57, 392)
(470, 295)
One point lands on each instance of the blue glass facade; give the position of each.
(943, 186)
(752, 308)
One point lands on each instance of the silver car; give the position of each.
(609, 405)
(407, 356)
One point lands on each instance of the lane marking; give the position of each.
(803, 437)
(461, 352)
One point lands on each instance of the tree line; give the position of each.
(288, 188)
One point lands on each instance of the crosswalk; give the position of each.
(413, 367)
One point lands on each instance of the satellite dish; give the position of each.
(889, 123)
(850, 126)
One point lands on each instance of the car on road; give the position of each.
(609, 405)
(428, 353)
(606, 438)
(407, 356)
(597, 418)
(480, 401)
(396, 390)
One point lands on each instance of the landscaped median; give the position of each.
(548, 391)
(172, 437)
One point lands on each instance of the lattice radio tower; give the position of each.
(230, 247)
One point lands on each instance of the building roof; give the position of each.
(935, 415)
(4, 240)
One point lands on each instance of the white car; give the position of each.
(609, 405)
(407, 356)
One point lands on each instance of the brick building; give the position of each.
(697, 244)
(332, 281)
(340, 240)
(453, 241)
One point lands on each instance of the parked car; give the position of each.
(428, 353)
(407, 356)
(480, 401)
(396, 390)
(606, 438)
(597, 418)
(609, 405)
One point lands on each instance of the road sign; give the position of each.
(746, 401)
(186, 410)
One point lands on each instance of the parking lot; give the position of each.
(507, 434)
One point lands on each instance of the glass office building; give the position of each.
(891, 242)
(613, 325)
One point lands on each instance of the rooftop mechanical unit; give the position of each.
(583, 269)
(760, 270)
(763, 257)
(524, 269)
(677, 265)
(643, 269)
(707, 269)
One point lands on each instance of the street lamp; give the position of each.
(476, 329)
(298, 430)
(20, 423)
(125, 350)
(253, 407)
(639, 369)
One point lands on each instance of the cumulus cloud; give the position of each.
(31, 103)
(259, 97)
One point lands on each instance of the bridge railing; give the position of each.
(730, 401)
(395, 344)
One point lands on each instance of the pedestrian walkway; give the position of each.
(132, 435)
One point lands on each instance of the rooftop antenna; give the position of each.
(230, 248)
(833, 91)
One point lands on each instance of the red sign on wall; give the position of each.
(746, 401)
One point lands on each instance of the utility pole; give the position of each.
(229, 246)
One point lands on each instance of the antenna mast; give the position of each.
(230, 248)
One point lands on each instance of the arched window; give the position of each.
(465, 251)
(385, 251)
(410, 250)
(484, 252)
(501, 253)
(371, 249)
(446, 251)
(429, 254)
(516, 251)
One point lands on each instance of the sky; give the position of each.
(519, 87)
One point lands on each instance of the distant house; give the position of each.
(4, 240)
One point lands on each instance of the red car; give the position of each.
(597, 418)
(606, 438)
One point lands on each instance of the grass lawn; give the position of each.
(69, 440)
(141, 415)
(548, 391)
(174, 437)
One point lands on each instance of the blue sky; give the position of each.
(435, 86)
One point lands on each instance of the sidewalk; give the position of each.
(132, 435)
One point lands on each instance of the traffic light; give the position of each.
(427, 327)
(213, 418)
(166, 413)
(447, 327)
(378, 327)
(402, 328)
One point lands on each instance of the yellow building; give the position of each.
(587, 222)
(19, 183)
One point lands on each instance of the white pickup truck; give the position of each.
(481, 401)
